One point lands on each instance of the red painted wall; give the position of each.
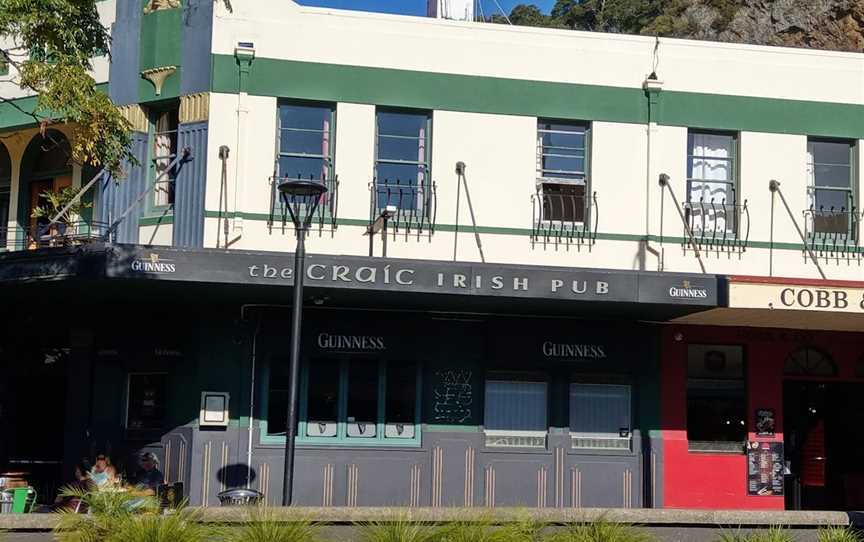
(718, 481)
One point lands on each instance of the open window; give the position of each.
(830, 194)
(562, 171)
(165, 123)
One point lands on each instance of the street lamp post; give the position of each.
(302, 198)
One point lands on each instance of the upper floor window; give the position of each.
(716, 398)
(306, 141)
(829, 187)
(402, 158)
(164, 139)
(711, 181)
(561, 170)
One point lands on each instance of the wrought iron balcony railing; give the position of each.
(325, 215)
(413, 205)
(61, 234)
(563, 213)
(718, 225)
(832, 230)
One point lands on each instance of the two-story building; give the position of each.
(613, 270)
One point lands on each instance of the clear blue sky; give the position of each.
(416, 7)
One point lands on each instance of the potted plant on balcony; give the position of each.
(68, 229)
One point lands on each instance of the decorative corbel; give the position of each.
(156, 5)
(157, 76)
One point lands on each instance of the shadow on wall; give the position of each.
(236, 475)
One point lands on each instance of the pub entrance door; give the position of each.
(823, 443)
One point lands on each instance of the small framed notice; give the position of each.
(214, 409)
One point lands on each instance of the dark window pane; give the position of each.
(716, 398)
(5, 167)
(323, 391)
(561, 127)
(277, 399)
(554, 164)
(573, 140)
(311, 117)
(563, 202)
(302, 142)
(515, 405)
(401, 393)
(362, 399)
(828, 152)
(146, 406)
(828, 199)
(402, 124)
(398, 148)
(399, 174)
(832, 175)
(306, 168)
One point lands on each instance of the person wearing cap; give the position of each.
(148, 477)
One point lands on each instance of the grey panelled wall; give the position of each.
(450, 469)
(197, 39)
(190, 187)
(125, 51)
(118, 195)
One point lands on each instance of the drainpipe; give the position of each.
(244, 53)
(652, 87)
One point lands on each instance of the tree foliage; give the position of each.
(652, 17)
(50, 43)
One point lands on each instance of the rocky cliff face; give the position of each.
(819, 24)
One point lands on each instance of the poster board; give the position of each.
(765, 468)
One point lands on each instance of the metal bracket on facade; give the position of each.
(664, 183)
(179, 159)
(774, 187)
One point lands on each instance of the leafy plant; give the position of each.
(773, 534)
(55, 203)
(838, 534)
(525, 529)
(109, 509)
(601, 531)
(181, 526)
(265, 526)
(400, 529)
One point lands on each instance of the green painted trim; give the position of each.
(156, 220)
(425, 90)
(15, 113)
(478, 94)
(527, 232)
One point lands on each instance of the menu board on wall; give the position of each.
(765, 469)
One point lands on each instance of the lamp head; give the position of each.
(302, 198)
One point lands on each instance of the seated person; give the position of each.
(148, 477)
(103, 473)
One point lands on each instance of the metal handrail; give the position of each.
(833, 240)
(566, 228)
(710, 223)
(416, 204)
(57, 234)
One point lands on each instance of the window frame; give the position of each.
(330, 159)
(734, 168)
(852, 190)
(585, 181)
(733, 447)
(422, 201)
(622, 382)
(512, 438)
(153, 113)
(341, 439)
